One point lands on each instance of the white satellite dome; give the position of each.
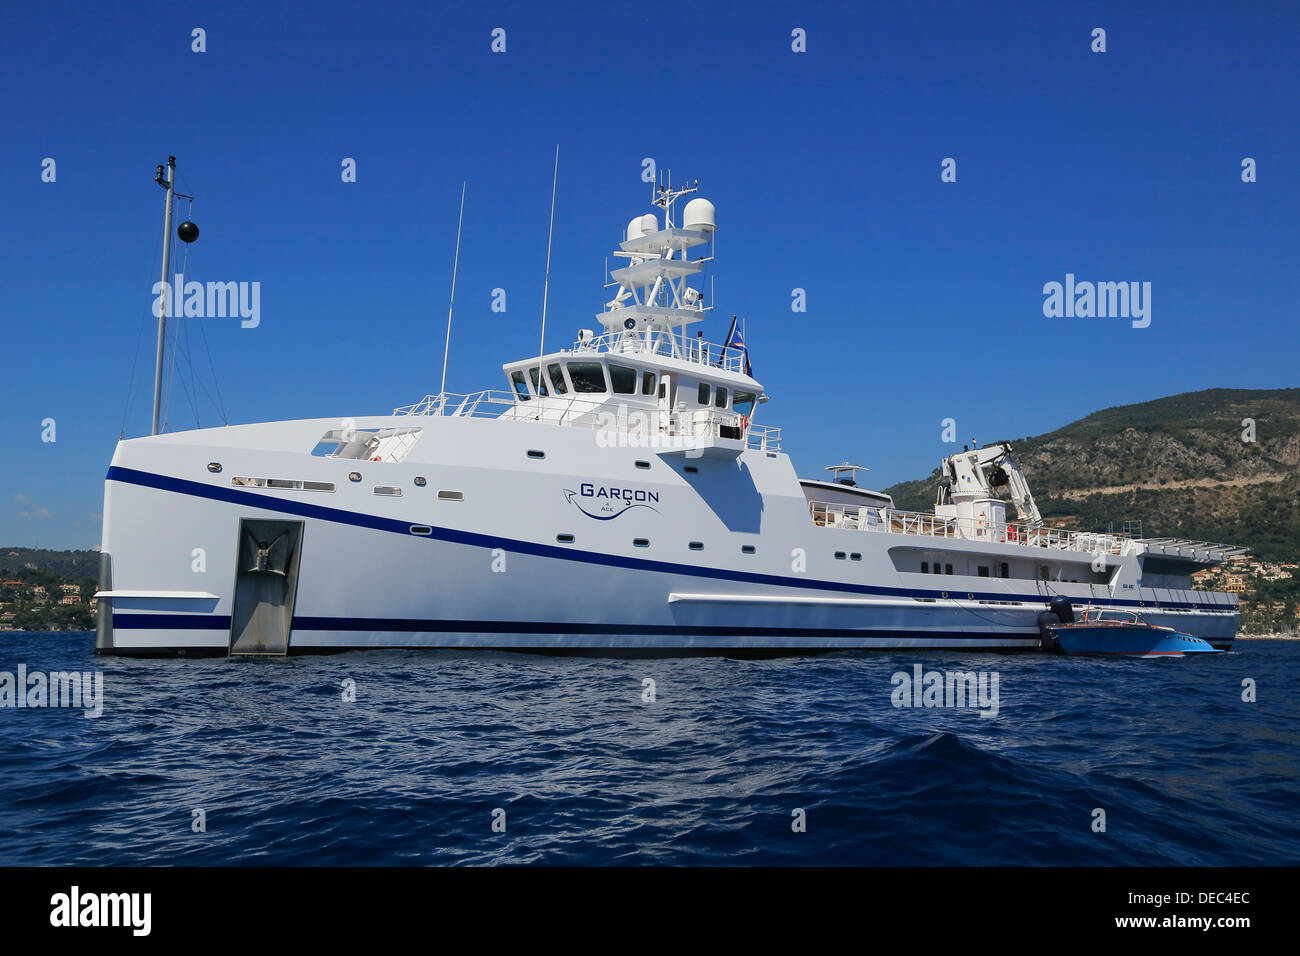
(699, 215)
(642, 226)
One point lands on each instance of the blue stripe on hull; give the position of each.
(217, 622)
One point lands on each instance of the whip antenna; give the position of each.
(455, 264)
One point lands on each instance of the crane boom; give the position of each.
(969, 475)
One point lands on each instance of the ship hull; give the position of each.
(528, 559)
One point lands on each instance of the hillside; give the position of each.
(66, 565)
(1178, 465)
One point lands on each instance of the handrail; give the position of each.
(896, 521)
(648, 425)
(660, 342)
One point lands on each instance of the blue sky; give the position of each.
(924, 298)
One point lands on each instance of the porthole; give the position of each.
(214, 467)
(535, 453)
(840, 555)
(354, 476)
(642, 464)
(421, 529)
(855, 556)
(747, 549)
(640, 542)
(696, 545)
(420, 482)
(564, 538)
(690, 470)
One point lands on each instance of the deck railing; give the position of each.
(896, 521)
(644, 426)
(676, 345)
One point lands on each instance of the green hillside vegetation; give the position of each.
(1242, 492)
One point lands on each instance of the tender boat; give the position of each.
(1121, 632)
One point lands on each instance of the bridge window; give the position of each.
(557, 378)
(539, 383)
(984, 570)
(704, 393)
(648, 383)
(623, 379)
(521, 388)
(743, 403)
(588, 377)
(925, 567)
(720, 397)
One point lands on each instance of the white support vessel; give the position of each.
(618, 497)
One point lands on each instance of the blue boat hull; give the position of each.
(1128, 641)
